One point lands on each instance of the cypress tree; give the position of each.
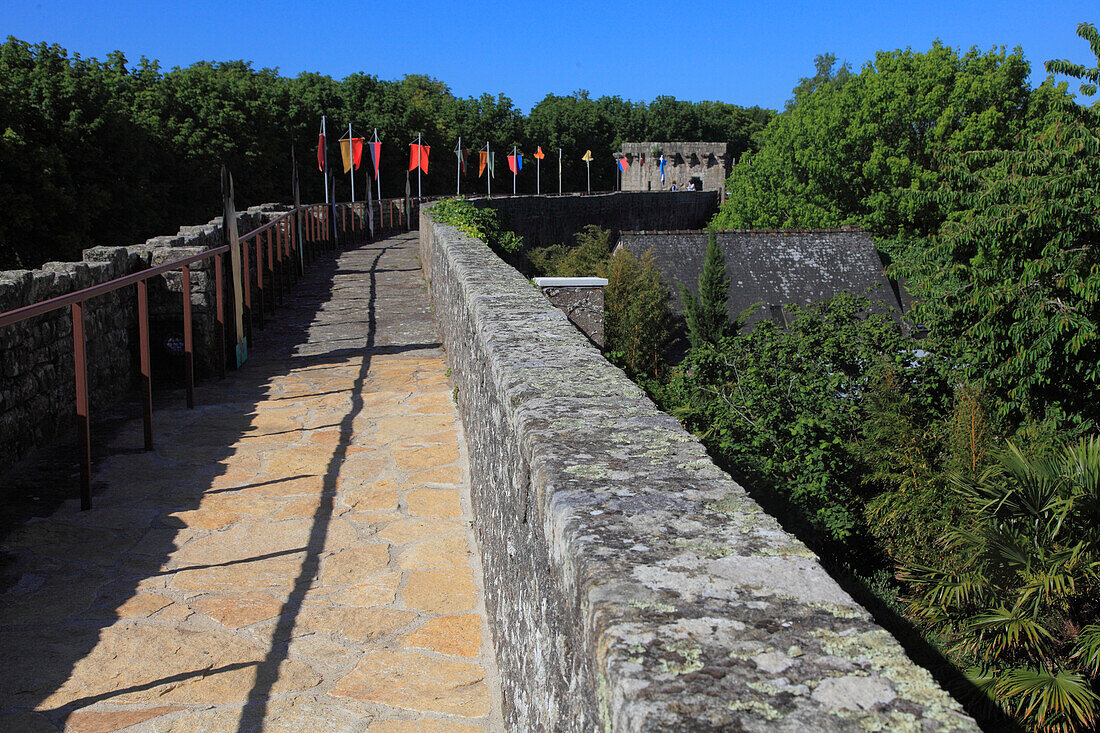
(707, 321)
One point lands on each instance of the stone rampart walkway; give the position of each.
(295, 555)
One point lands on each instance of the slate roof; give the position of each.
(776, 267)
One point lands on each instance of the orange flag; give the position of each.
(539, 154)
(482, 159)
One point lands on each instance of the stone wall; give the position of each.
(36, 356)
(580, 299)
(630, 583)
(543, 220)
(711, 163)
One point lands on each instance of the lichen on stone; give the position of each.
(758, 707)
(653, 606)
(691, 653)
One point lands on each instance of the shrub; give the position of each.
(483, 224)
(638, 323)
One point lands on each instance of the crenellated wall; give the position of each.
(36, 362)
(630, 584)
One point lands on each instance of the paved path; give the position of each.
(295, 555)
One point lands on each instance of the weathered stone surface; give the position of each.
(423, 725)
(355, 565)
(359, 625)
(178, 666)
(630, 584)
(446, 590)
(378, 591)
(36, 362)
(143, 605)
(412, 530)
(414, 681)
(438, 503)
(240, 609)
(440, 552)
(545, 220)
(94, 721)
(458, 635)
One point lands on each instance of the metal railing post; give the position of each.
(188, 342)
(146, 361)
(83, 424)
(219, 299)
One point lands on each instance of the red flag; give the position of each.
(512, 163)
(356, 151)
(418, 157)
(376, 155)
(321, 153)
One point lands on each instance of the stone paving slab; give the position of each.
(295, 555)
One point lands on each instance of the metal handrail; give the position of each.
(320, 231)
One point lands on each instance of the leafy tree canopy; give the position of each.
(851, 146)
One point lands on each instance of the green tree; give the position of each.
(1010, 288)
(1022, 610)
(706, 316)
(786, 405)
(848, 153)
(826, 74)
(1090, 78)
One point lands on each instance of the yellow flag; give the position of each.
(345, 153)
(587, 157)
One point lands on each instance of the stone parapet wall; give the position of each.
(543, 220)
(631, 584)
(36, 355)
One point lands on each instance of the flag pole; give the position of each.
(419, 162)
(515, 169)
(588, 170)
(489, 165)
(559, 171)
(324, 133)
(458, 168)
(538, 176)
(378, 173)
(351, 168)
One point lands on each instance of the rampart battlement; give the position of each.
(630, 583)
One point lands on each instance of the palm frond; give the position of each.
(1052, 700)
(1004, 630)
(1087, 648)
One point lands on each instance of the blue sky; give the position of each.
(740, 52)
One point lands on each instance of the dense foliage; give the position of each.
(1021, 607)
(853, 145)
(637, 320)
(480, 223)
(108, 152)
(789, 404)
(938, 456)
